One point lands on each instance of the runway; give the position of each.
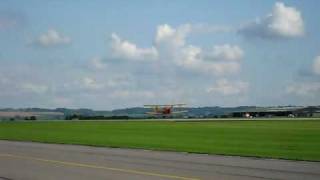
(37, 161)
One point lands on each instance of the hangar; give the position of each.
(283, 111)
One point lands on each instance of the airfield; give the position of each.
(161, 149)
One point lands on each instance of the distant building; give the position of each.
(311, 111)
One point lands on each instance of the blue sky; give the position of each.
(115, 54)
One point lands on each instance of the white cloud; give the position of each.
(226, 87)
(171, 49)
(282, 22)
(176, 37)
(97, 63)
(207, 28)
(135, 94)
(222, 60)
(91, 83)
(316, 65)
(223, 52)
(95, 83)
(304, 88)
(118, 82)
(129, 51)
(34, 88)
(52, 38)
(166, 35)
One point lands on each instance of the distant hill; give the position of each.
(134, 112)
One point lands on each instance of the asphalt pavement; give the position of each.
(38, 161)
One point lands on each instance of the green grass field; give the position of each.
(288, 139)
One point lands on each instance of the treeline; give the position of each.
(81, 117)
(19, 118)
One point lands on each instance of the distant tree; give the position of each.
(74, 116)
(31, 118)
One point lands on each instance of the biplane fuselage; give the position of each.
(164, 110)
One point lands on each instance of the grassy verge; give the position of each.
(297, 139)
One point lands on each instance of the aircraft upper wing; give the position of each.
(157, 105)
(181, 104)
(163, 105)
(149, 105)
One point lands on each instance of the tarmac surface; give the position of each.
(37, 161)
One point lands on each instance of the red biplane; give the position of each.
(165, 110)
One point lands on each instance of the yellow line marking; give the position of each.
(97, 167)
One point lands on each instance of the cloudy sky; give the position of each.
(117, 54)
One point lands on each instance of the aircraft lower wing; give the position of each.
(153, 113)
(174, 112)
(178, 112)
